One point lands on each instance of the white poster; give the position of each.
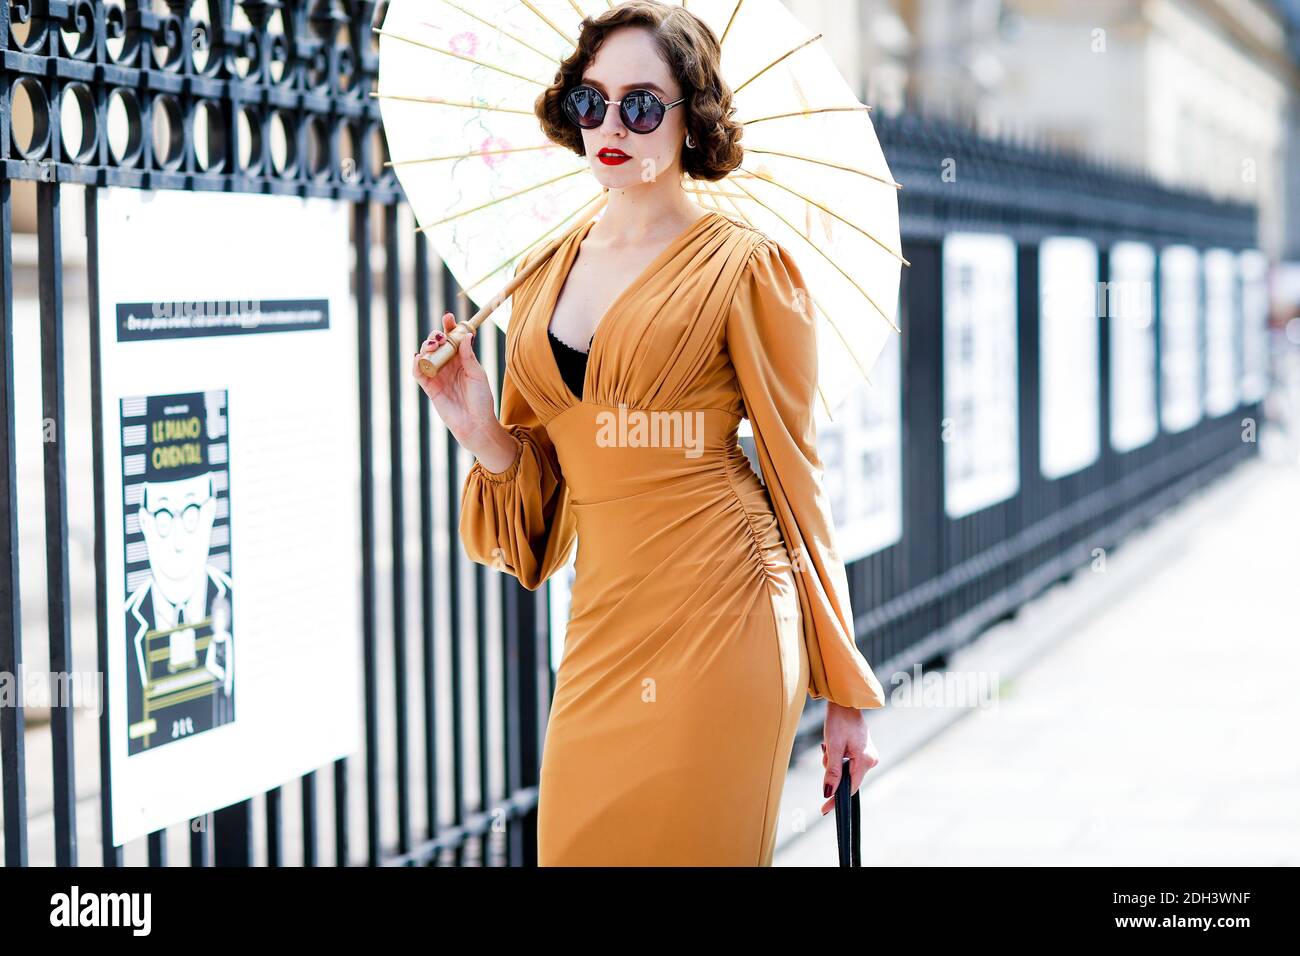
(1069, 363)
(231, 479)
(1253, 267)
(861, 451)
(1129, 301)
(1180, 338)
(981, 421)
(1221, 332)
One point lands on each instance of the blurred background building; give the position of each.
(1202, 94)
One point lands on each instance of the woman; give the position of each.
(704, 604)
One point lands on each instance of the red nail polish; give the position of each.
(826, 790)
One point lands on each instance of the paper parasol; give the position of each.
(457, 82)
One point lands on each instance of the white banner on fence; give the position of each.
(1253, 269)
(1129, 301)
(1069, 366)
(862, 453)
(229, 401)
(1222, 332)
(981, 415)
(1180, 339)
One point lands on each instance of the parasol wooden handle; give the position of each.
(432, 362)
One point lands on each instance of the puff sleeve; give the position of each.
(519, 520)
(771, 340)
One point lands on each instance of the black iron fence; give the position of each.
(275, 97)
(950, 578)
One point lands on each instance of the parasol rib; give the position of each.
(812, 202)
(783, 56)
(830, 321)
(460, 56)
(821, 252)
(469, 155)
(730, 20)
(506, 33)
(499, 199)
(822, 109)
(820, 394)
(825, 162)
(547, 20)
(438, 101)
(577, 213)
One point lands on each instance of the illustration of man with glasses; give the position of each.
(179, 619)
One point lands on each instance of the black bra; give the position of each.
(572, 363)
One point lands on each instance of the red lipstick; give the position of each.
(612, 157)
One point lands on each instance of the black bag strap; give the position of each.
(848, 819)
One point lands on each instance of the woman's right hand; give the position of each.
(462, 394)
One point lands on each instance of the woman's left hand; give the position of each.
(845, 735)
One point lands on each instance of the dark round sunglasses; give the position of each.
(640, 110)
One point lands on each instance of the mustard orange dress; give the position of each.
(705, 604)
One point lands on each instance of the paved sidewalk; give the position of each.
(1146, 714)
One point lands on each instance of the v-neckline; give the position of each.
(636, 283)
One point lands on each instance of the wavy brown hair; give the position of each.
(692, 53)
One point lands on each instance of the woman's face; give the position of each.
(629, 60)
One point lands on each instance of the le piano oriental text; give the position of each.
(175, 442)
